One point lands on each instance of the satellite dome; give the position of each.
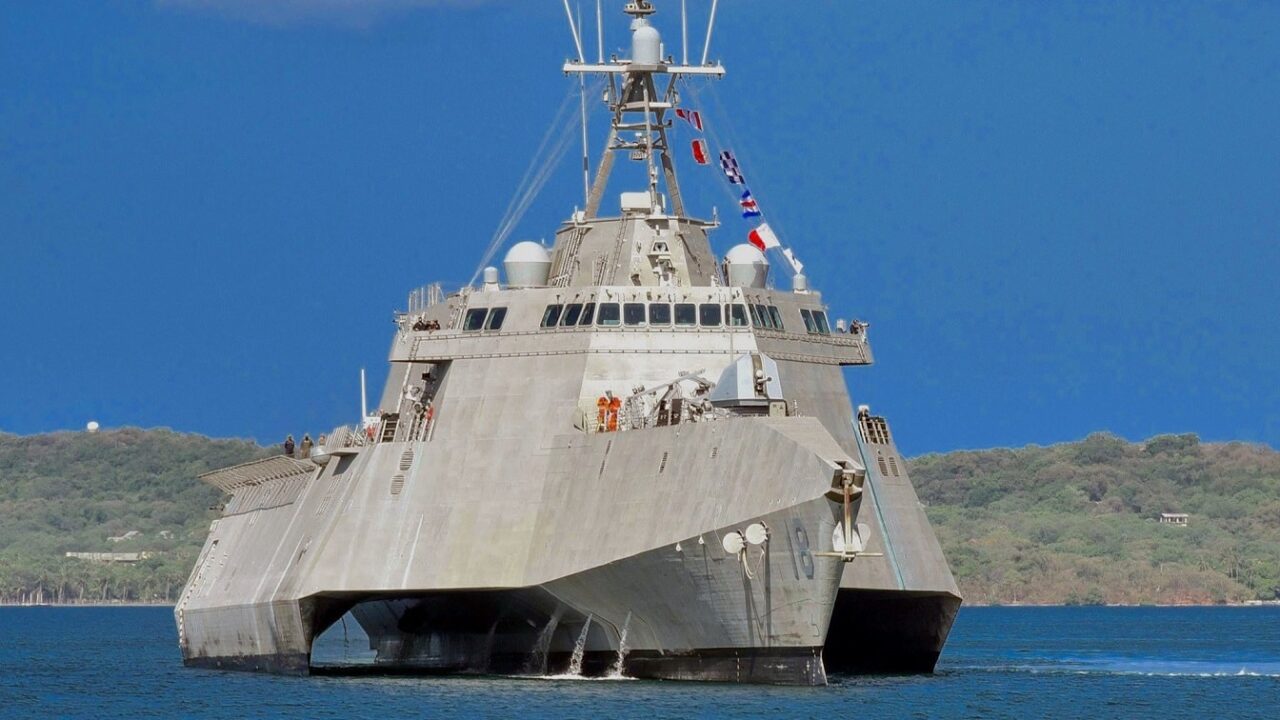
(745, 266)
(646, 43)
(92, 426)
(527, 264)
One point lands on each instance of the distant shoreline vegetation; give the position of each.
(1080, 523)
(1070, 524)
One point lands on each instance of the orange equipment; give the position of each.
(602, 412)
(615, 405)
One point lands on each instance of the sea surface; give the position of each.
(1094, 663)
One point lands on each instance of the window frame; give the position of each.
(762, 310)
(480, 313)
(675, 315)
(807, 316)
(776, 316)
(820, 318)
(551, 316)
(729, 318)
(500, 313)
(635, 307)
(588, 314)
(704, 309)
(660, 323)
(600, 310)
(569, 309)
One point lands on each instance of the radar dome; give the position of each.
(745, 266)
(646, 43)
(527, 264)
(92, 426)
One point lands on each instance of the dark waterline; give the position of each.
(1000, 663)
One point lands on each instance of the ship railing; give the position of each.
(345, 436)
(424, 297)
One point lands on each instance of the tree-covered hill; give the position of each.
(1071, 523)
(71, 491)
(1078, 522)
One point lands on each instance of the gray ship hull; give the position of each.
(629, 457)
(894, 611)
(682, 608)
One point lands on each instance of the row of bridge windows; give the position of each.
(677, 314)
(636, 314)
(652, 314)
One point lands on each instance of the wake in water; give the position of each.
(1151, 667)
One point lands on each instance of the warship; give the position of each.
(621, 454)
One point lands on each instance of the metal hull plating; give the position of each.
(630, 542)
(689, 613)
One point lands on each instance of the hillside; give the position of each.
(72, 491)
(1077, 523)
(1071, 523)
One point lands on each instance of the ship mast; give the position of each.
(639, 111)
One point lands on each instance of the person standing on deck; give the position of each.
(602, 412)
(615, 405)
(288, 446)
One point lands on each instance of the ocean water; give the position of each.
(1094, 663)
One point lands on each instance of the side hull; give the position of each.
(888, 632)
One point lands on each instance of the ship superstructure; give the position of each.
(618, 446)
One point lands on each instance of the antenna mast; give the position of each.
(684, 32)
(639, 125)
(582, 101)
(364, 402)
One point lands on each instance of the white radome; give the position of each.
(527, 264)
(746, 266)
(92, 426)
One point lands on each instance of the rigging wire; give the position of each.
(550, 151)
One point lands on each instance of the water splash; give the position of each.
(579, 649)
(622, 647)
(537, 664)
(487, 661)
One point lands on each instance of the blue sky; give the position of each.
(1058, 217)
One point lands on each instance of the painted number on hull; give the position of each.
(806, 557)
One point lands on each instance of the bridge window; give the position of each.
(551, 315)
(572, 313)
(475, 319)
(686, 314)
(755, 316)
(709, 315)
(588, 314)
(736, 315)
(659, 314)
(496, 316)
(765, 320)
(777, 318)
(808, 320)
(633, 313)
(820, 319)
(609, 314)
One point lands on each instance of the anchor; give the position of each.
(847, 542)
